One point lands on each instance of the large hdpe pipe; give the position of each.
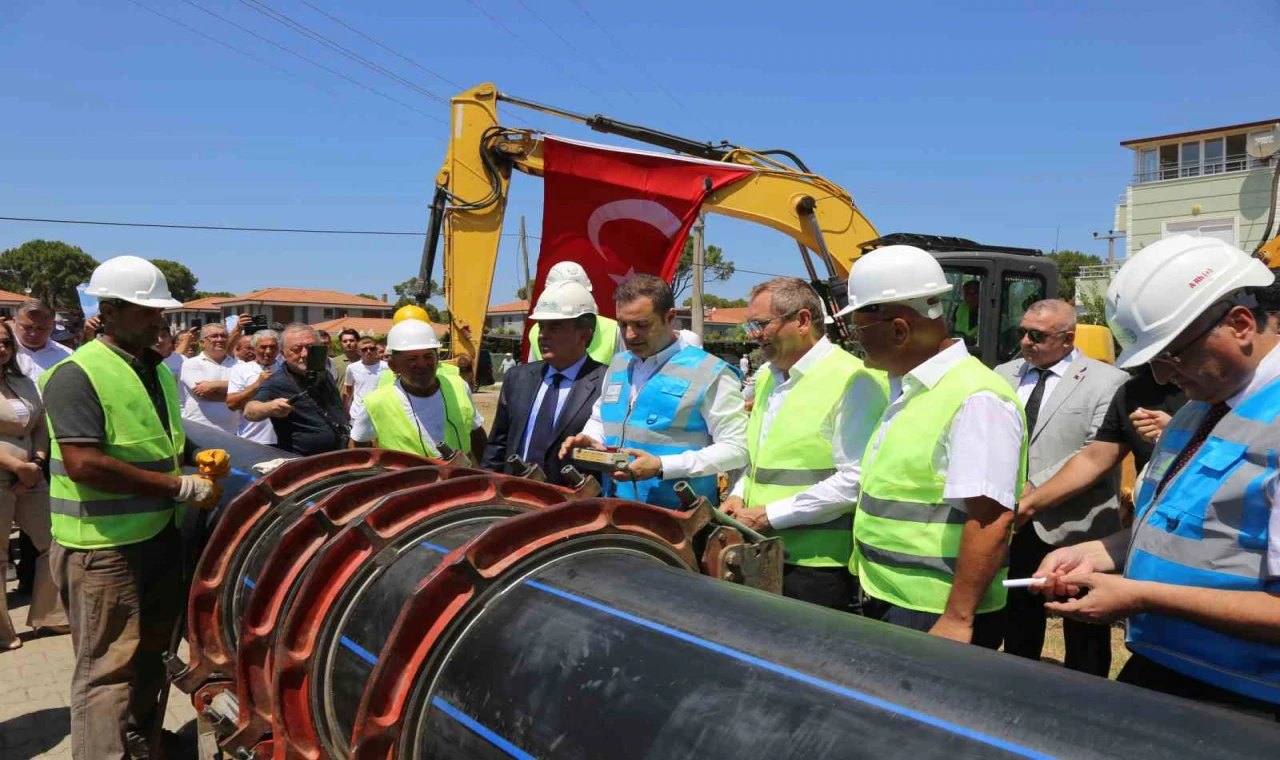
(590, 650)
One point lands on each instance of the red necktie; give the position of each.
(1211, 419)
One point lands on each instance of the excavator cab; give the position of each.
(993, 286)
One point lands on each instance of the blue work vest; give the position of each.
(666, 419)
(1208, 528)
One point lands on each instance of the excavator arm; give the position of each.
(471, 198)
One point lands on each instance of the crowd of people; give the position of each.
(908, 482)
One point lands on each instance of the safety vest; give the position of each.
(793, 459)
(601, 348)
(1208, 528)
(396, 430)
(386, 377)
(906, 537)
(665, 420)
(84, 517)
(960, 321)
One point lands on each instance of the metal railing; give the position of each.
(1239, 162)
(1098, 271)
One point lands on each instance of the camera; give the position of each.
(259, 322)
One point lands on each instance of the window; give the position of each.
(1168, 162)
(1235, 152)
(1190, 160)
(963, 305)
(328, 313)
(1222, 228)
(1147, 165)
(1214, 159)
(1017, 292)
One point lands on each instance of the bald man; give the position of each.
(1066, 396)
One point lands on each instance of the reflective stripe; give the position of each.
(888, 558)
(842, 523)
(775, 477)
(166, 465)
(688, 440)
(128, 505)
(910, 511)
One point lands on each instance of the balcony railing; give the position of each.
(1098, 271)
(1234, 163)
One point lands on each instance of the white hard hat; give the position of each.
(564, 300)
(896, 274)
(132, 279)
(1162, 289)
(412, 335)
(568, 271)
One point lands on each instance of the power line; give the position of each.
(569, 44)
(339, 74)
(640, 66)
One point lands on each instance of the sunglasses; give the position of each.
(367, 349)
(1038, 336)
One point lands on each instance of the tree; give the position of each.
(408, 291)
(182, 282)
(1093, 311)
(1069, 263)
(713, 301)
(717, 268)
(213, 294)
(50, 268)
(522, 293)
(370, 296)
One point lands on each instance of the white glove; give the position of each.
(194, 489)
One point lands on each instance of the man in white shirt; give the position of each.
(803, 480)
(362, 376)
(944, 470)
(243, 381)
(243, 349)
(35, 322)
(744, 364)
(659, 397)
(202, 384)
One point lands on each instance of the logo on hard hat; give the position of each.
(1200, 278)
(1126, 336)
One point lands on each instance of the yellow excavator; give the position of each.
(781, 193)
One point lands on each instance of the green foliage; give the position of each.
(370, 296)
(522, 293)
(1093, 303)
(407, 291)
(1069, 263)
(50, 268)
(713, 301)
(717, 269)
(182, 281)
(212, 294)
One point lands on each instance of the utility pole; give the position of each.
(524, 258)
(699, 263)
(1110, 237)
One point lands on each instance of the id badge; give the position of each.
(612, 392)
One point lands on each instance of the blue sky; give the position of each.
(999, 122)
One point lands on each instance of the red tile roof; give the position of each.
(731, 315)
(1193, 133)
(367, 326)
(307, 296)
(7, 297)
(202, 304)
(515, 307)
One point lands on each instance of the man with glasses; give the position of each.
(1066, 396)
(244, 380)
(362, 376)
(674, 407)
(306, 412)
(943, 472)
(1197, 577)
(816, 408)
(202, 386)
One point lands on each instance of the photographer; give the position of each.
(302, 402)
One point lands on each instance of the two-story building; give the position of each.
(507, 318)
(1204, 182)
(307, 305)
(204, 309)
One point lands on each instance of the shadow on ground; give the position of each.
(46, 728)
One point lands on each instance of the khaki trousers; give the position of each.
(122, 603)
(30, 510)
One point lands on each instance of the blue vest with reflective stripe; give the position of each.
(1209, 528)
(666, 419)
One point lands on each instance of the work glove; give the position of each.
(214, 464)
(199, 491)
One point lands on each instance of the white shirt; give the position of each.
(427, 412)
(240, 377)
(198, 369)
(362, 378)
(721, 407)
(34, 363)
(849, 426)
(562, 394)
(174, 362)
(744, 364)
(1030, 376)
(1268, 370)
(983, 445)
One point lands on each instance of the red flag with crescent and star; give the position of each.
(620, 212)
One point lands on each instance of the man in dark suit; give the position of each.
(544, 402)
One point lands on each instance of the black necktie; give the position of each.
(1033, 401)
(545, 423)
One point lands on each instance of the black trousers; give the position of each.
(1149, 674)
(830, 587)
(988, 627)
(1088, 645)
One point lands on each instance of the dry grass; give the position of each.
(1055, 650)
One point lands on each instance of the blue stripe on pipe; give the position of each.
(843, 691)
(480, 730)
(249, 582)
(434, 547)
(360, 651)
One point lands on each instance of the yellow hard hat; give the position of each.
(410, 312)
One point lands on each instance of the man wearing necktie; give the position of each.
(544, 402)
(1066, 396)
(1197, 577)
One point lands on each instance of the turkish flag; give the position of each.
(620, 212)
